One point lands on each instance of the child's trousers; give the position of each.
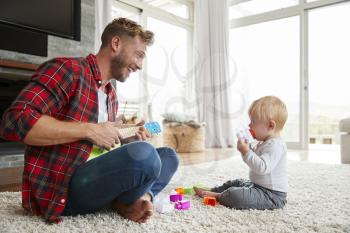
(243, 194)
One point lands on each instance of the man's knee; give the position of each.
(141, 150)
(144, 155)
(169, 158)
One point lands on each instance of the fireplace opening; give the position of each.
(12, 81)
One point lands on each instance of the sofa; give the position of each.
(344, 128)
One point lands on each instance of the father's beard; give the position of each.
(118, 63)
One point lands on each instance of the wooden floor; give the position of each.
(206, 156)
(11, 177)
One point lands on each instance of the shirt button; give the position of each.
(63, 201)
(99, 82)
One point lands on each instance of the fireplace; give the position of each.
(13, 77)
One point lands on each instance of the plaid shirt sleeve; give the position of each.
(48, 91)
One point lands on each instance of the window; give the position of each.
(242, 8)
(329, 72)
(162, 84)
(266, 59)
(312, 62)
(167, 66)
(129, 92)
(178, 8)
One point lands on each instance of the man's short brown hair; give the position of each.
(123, 27)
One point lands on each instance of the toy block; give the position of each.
(201, 186)
(180, 190)
(189, 191)
(173, 192)
(182, 205)
(176, 197)
(164, 208)
(209, 201)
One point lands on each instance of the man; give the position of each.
(68, 108)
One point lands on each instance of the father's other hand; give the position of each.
(141, 135)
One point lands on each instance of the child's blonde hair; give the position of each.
(269, 108)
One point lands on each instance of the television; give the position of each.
(54, 17)
(26, 24)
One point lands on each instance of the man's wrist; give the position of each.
(87, 130)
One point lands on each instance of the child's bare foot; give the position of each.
(200, 191)
(205, 192)
(139, 211)
(211, 194)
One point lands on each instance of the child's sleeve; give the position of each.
(267, 161)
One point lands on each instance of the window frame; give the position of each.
(147, 10)
(301, 10)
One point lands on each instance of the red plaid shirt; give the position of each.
(66, 89)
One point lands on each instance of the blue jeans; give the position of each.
(124, 174)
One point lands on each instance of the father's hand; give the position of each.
(104, 135)
(141, 135)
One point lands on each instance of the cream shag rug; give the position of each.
(318, 201)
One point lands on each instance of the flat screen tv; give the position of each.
(53, 17)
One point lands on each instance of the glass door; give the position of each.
(265, 60)
(129, 93)
(329, 72)
(167, 68)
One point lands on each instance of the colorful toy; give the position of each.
(164, 208)
(180, 190)
(201, 186)
(153, 127)
(251, 131)
(176, 197)
(209, 201)
(182, 205)
(162, 204)
(173, 192)
(127, 131)
(246, 134)
(189, 191)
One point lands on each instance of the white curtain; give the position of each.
(103, 16)
(212, 77)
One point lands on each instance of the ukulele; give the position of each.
(127, 131)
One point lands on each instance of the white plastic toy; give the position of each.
(162, 203)
(245, 134)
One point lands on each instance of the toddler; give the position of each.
(268, 184)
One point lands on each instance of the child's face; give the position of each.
(262, 128)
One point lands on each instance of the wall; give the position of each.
(58, 46)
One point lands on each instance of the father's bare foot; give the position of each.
(139, 211)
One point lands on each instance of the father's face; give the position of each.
(129, 59)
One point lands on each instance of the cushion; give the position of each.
(178, 117)
(344, 125)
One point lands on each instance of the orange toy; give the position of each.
(209, 201)
(180, 190)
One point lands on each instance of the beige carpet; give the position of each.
(318, 201)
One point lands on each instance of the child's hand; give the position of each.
(242, 145)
